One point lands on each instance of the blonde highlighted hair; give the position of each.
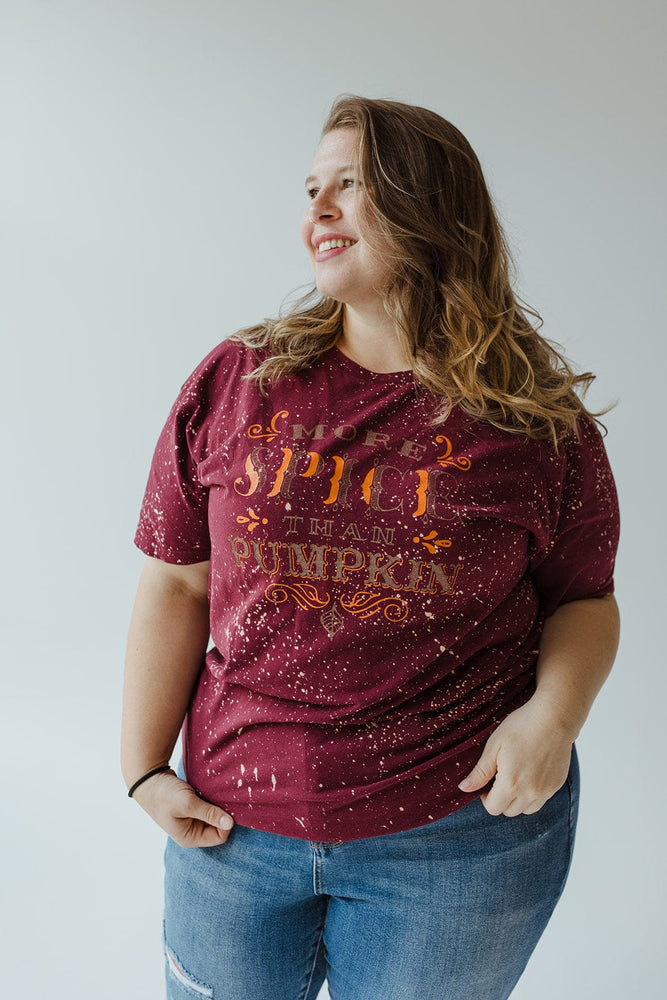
(450, 294)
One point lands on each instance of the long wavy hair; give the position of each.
(449, 294)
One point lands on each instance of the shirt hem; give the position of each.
(407, 804)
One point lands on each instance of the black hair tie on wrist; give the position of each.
(145, 777)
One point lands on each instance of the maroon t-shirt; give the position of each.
(378, 585)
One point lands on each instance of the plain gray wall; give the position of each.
(152, 165)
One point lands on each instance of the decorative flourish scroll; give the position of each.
(270, 432)
(365, 604)
(332, 620)
(462, 462)
(305, 594)
(432, 542)
(252, 521)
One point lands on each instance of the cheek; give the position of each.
(306, 233)
(363, 214)
(371, 237)
(379, 268)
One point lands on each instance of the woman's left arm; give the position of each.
(529, 753)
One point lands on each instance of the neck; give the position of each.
(370, 339)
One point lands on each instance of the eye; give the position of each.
(348, 182)
(312, 192)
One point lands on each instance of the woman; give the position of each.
(397, 520)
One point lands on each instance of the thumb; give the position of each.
(482, 773)
(209, 814)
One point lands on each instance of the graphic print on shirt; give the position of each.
(375, 581)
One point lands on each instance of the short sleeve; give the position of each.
(173, 523)
(578, 561)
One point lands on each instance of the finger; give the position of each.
(209, 814)
(501, 804)
(533, 807)
(513, 809)
(511, 805)
(503, 795)
(482, 773)
(193, 833)
(206, 836)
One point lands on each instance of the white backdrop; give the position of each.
(151, 184)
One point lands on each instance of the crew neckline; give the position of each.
(406, 375)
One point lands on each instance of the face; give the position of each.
(333, 226)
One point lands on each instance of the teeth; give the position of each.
(333, 244)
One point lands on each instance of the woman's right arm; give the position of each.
(167, 641)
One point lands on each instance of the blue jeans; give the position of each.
(447, 911)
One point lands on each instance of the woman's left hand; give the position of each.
(528, 755)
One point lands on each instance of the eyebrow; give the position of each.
(343, 170)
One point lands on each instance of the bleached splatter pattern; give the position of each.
(378, 586)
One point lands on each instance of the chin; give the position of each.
(334, 287)
(330, 291)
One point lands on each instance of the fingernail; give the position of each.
(226, 822)
(465, 784)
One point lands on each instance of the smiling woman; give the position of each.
(426, 286)
(394, 516)
(337, 233)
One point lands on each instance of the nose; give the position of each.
(323, 206)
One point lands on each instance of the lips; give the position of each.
(331, 245)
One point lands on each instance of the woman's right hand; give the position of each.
(187, 818)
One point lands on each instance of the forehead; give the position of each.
(336, 151)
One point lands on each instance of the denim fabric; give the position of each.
(448, 911)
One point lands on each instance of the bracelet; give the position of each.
(145, 777)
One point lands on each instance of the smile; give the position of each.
(334, 245)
